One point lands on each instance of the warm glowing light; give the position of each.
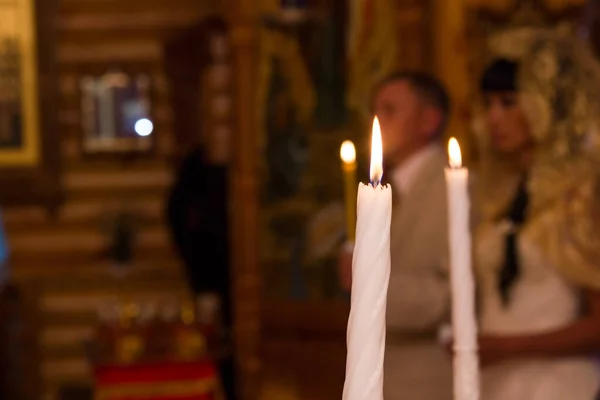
(376, 154)
(143, 127)
(348, 152)
(454, 153)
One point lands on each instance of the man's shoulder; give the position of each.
(436, 161)
(431, 178)
(428, 194)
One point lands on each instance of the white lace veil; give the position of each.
(559, 91)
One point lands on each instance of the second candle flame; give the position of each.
(454, 153)
(376, 154)
(348, 152)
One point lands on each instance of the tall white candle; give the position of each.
(464, 325)
(370, 278)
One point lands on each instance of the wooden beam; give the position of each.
(132, 179)
(76, 6)
(80, 263)
(61, 242)
(244, 207)
(111, 52)
(115, 22)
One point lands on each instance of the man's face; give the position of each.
(406, 122)
(507, 125)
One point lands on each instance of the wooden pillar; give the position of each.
(244, 203)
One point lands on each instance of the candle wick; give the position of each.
(375, 183)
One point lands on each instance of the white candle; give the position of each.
(370, 278)
(464, 326)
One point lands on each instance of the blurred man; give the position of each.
(413, 110)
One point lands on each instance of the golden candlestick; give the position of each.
(348, 156)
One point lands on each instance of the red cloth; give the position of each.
(191, 397)
(157, 381)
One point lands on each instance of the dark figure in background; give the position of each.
(198, 218)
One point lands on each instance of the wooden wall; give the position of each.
(60, 259)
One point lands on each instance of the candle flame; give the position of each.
(376, 154)
(454, 153)
(348, 152)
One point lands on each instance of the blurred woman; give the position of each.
(538, 240)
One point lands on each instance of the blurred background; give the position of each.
(171, 189)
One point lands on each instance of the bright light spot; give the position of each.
(348, 152)
(143, 127)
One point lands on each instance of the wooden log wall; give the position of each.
(60, 259)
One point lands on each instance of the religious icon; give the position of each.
(115, 113)
(19, 134)
(302, 96)
(10, 93)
